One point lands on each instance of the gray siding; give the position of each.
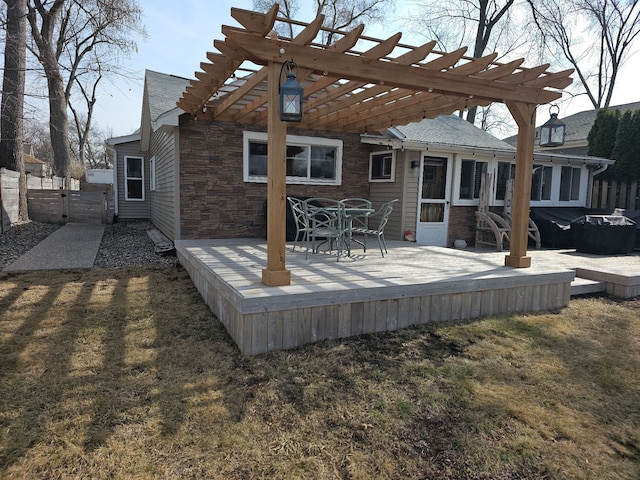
(411, 186)
(131, 209)
(381, 192)
(163, 199)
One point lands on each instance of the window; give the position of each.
(541, 183)
(506, 171)
(382, 167)
(570, 184)
(134, 178)
(309, 159)
(470, 178)
(152, 173)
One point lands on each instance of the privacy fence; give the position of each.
(611, 194)
(50, 201)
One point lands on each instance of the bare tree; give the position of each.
(339, 14)
(487, 25)
(69, 35)
(12, 110)
(593, 36)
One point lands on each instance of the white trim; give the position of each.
(123, 139)
(457, 174)
(248, 136)
(167, 119)
(126, 184)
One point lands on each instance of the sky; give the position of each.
(180, 34)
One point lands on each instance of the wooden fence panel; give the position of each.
(612, 194)
(87, 207)
(47, 206)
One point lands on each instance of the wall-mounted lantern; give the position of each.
(552, 131)
(291, 94)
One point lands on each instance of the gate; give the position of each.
(62, 206)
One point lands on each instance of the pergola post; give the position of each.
(525, 116)
(276, 274)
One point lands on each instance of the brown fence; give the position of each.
(611, 194)
(62, 206)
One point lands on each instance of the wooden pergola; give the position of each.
(349, 90)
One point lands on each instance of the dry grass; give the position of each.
(126, 374)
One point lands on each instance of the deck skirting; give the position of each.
(260, 319)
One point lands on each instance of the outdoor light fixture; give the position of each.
(291, 94)
(552, 132)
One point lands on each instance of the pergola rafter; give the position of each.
(347, 90)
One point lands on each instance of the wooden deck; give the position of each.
(360, 294)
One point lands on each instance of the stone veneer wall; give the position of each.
(462, 225)
(214, 200)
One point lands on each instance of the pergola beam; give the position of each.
(392, 74)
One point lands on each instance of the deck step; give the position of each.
(162, 244)
(582, 286)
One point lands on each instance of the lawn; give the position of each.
(127, 374)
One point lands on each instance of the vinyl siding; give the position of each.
(382, 192)
(128, 209)
(163, 199)
(411, 189)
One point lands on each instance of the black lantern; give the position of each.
(291, 94)
(552, 132)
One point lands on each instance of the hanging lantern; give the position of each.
(552, 131)
(291, 95)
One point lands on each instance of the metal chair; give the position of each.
(298, 208)
(377, 222)
(326, 223)
(356, 220)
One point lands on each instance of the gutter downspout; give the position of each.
(592, 175)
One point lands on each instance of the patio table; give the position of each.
(349, 214)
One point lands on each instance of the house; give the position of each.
(198, 179)
(198, 166)
(36, 167)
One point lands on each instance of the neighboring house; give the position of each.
(36, 167)
(203, 179)
(577, 130)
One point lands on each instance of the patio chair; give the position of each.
(326, 223)
(356, 220)
(377, 221)
(298, 209)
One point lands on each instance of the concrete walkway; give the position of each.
(73, 246)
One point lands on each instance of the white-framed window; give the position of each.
(382, 166)
(152, 173)
(506, 171)
(310, 160)
(470, 178)
(541, 182)
(134, 179)
(570, 183)
(552, 183)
